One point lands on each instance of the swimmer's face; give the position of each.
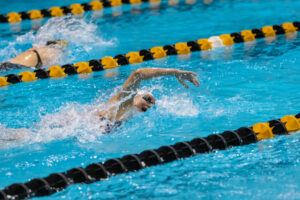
(143, 102)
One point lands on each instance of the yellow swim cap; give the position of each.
(60, 43)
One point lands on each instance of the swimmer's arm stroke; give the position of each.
(129, 88)
(134, 80)
(139, 75)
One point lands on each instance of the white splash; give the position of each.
(76, 121)
(179, 105)
(83, 38)
(73, 120)
(80, 122)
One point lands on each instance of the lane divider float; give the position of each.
(143, 55)
(133, 162)
(79, 9)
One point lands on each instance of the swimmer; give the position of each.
(120, 106)
(118, 109)
(36, 57)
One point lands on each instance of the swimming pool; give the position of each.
(238, 87)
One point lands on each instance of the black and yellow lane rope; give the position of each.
(75, 9)
(150, 54)
(133, 162)
(16, 17)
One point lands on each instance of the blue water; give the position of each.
(51, 127)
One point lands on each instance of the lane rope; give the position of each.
(79, 9)
(56, 182)
(157, 52)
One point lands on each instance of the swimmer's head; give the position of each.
(143, 102)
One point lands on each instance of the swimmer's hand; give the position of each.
(187, 75)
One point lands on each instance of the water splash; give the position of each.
(12, 48)
(178, 105)
(81, 123)
(73, 120)
(83, 39)
(77, 121)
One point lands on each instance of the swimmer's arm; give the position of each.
(133, 83)
(135, 79)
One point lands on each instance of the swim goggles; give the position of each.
(148, 99)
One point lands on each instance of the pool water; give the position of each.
(49, 125)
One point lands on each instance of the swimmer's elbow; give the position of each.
(132, 80)
(143, 70)
(137, 74)
(141, 73)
